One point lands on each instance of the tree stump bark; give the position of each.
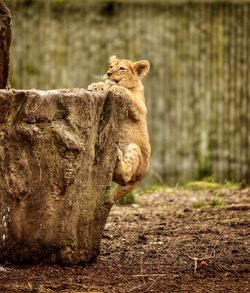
(5, 40)
(58, 150)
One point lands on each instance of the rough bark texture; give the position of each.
(5, 39)
(57, 156)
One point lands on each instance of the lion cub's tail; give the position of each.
(121, 191)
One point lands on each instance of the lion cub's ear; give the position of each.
(113, 59)
(141, 68)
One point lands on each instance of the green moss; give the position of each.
(232, 185)
(202, 185)
(156, 188)
(209, 183)
(199, 204)
(216, 203)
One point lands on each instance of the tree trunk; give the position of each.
(57, 155)
(5, 39)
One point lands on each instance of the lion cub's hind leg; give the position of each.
(129, 160)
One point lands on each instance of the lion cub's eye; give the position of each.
(122, 68)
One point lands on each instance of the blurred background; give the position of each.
(198, 89)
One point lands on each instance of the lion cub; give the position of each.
(124, 76)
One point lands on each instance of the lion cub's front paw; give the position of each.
(97, 86)
(119, 89)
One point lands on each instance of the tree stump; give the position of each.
(58, 150)
(5, 40)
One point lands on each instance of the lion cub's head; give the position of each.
(126, 73)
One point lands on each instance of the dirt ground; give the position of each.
(171, 240)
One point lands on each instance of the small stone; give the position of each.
(203, 264)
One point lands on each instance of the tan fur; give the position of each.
(124, 76)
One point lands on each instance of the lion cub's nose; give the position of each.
(109, 73)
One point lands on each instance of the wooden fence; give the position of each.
(198, 90)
